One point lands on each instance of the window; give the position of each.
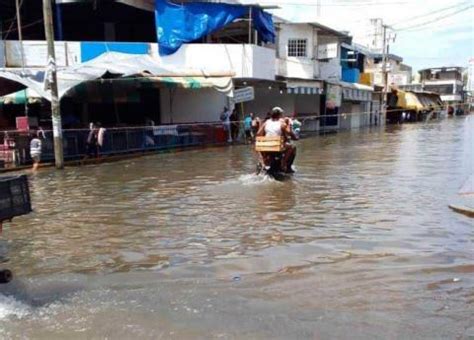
(442, 89)
(297, 47)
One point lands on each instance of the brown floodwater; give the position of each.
(360, 243)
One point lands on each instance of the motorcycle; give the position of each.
(272, 152)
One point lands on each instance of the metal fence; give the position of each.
(15, 149)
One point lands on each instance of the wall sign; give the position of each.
(245, 94)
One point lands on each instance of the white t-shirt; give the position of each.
(35, 147)
(273, 128)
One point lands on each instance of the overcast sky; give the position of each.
(430, 33)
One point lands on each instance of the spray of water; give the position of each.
(9, 306)
(254, 179)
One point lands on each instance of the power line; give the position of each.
(432, 12)
(13, 22)
(23, 26)
(437, 19)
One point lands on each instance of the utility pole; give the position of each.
(20, 35)
(22, 50)
(250, 24)
(385, 75)
(53, 84)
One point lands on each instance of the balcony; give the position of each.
(297, 68)
(245, 60)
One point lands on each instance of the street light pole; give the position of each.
(53, 84)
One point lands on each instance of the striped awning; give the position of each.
(356, 92)
(304, 90)
(222, 84)
(21, 97)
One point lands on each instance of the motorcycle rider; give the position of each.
(277, 126)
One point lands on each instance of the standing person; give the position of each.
(91, 144)
(100, 138)
(35, 150)
(255, 126)
(225, 118)
(234, 120)
(295, 125)
(248, 127)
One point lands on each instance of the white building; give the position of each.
(446, 81)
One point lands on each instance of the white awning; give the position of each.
(111, 65)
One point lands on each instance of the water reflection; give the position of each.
(364, 219)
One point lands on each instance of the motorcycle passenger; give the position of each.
(277, 127)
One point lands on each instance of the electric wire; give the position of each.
(434, 20)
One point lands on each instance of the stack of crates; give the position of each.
(14, 197)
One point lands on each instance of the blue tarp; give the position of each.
(263, 23)
(179, 24)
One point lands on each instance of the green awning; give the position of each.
(21, 97)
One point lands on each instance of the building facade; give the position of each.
(446, 81)
(308, 70)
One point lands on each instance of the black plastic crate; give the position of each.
(14, 197)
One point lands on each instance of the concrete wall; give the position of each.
(36, 53)
(291, 68)
(297, 67)
(266, 98)
(203, 105)
(246, 61)
(330, 69)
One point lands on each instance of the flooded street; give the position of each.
(359, 243)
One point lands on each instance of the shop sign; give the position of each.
(333, 96)
(245, 94)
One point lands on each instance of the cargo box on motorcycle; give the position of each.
(269, 144)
